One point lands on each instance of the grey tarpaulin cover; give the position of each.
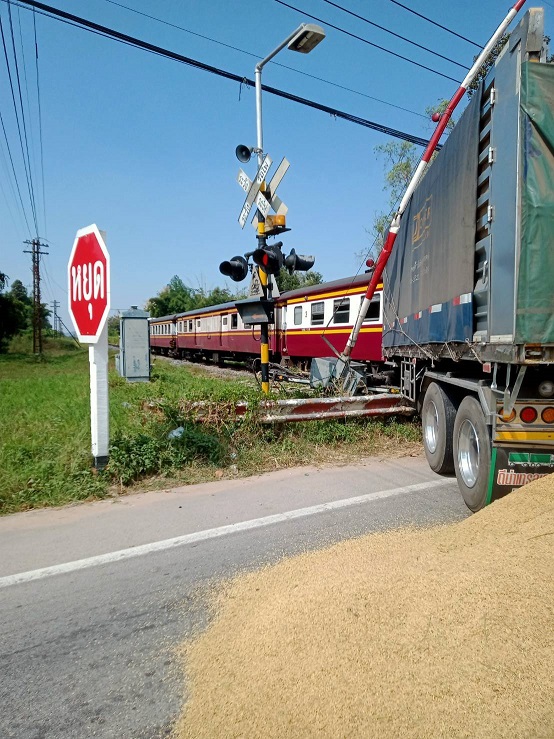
(433, 257)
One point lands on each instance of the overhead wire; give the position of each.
(396, 35)
(39, 108)
(6, 199)
(439, 25)
(365, 41)
(101, 30)
(14, 172)
(30, 118)
(258, 56)
(30, 177)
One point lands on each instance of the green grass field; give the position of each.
(45, 431)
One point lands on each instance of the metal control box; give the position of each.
(133, 360)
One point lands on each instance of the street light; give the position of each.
(305, 38)
(269, 260)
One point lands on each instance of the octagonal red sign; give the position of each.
(88, 273)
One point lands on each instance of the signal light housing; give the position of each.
(299, 262)
(270, 259)
(235, 268)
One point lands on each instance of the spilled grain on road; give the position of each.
(446, 631)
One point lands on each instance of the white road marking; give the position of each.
(177, 541)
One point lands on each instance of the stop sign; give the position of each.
(88, 273)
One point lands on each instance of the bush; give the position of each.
(134, 456)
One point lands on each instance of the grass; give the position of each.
(45, 432)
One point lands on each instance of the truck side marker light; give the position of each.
(548, 415)
(528, 414)
(507, 417)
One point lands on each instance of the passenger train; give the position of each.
(303, 317)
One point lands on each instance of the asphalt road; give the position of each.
(95, 598)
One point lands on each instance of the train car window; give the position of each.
(190, 325)
(374, 310)
(198, 324)
(297, 315)
(341, 310)
(234, 320)
(317, 313)
(224, 320)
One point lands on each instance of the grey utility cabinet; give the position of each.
(133, 360)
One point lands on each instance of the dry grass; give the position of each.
(444, 632)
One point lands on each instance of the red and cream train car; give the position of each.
(302, 318)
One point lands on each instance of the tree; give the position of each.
(177, 297)
(286, 281)
(12, 314)
(401, 158)
(487, 64)
(19, 292)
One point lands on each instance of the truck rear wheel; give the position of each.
(437, 420)
(472, 453)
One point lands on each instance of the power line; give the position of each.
(396, 35)
(16, 117)
(31, 190)
(14, 172)
(444, 28)
(365, 41)
(40, 123)
(259, 56)
(79, 22)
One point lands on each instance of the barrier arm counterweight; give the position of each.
(418, 174)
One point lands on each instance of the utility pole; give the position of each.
(35, 253)
(55, 305)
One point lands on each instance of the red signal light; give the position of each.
(528, 414)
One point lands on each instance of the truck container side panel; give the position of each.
(426, 274)
(535, 291)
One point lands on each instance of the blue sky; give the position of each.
(144, 146)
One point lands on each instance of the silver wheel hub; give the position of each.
(468, 453)
(431, 427)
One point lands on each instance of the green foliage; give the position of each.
(45, 437)
(400, 160)
(286, 281)
(177, 297)
(113, 325)
(135, 456)
(16, 311)
(487, 64)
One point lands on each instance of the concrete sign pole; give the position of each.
(99, 405)
(89, 304)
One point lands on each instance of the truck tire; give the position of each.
(472, 453)
(437, 422)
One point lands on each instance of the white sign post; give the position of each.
(88, 272)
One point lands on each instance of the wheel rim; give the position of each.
(431, 427)
(468, 453)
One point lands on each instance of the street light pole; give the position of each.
(303, 39)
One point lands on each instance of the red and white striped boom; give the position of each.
(418, 174)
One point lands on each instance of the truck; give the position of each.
(469, 287)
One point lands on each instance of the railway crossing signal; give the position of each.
(298, 262)
(269, 258)
(235, 268)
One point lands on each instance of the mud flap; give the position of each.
(512, 467)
